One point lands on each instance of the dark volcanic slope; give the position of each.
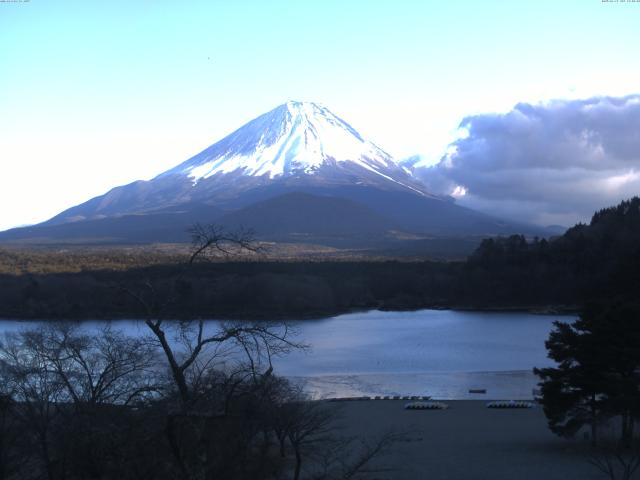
(166, 226)
(302, 216)
(362, 215)
(408, 212)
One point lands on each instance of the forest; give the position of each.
(596, 260)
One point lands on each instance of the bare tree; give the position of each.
(185, 343)
(65, 387)
(234, 416)
(311, 430)
(210, 240)
(212, 365)
(616, 459)
(39, 392)
(356, 457)
(617, 464)
(11, 461)
(308, 426)
(259, 342)
(104, 368)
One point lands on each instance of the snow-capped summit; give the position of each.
(297, 138)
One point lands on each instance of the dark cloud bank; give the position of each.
(553, 163)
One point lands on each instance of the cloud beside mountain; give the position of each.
(552, 163)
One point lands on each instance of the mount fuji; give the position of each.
(298, 140)
(296, 173)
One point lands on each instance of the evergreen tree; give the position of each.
(598, 372)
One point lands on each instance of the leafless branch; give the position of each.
(215, 238)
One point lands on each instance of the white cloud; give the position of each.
(553, 162)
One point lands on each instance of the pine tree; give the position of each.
(598, 371)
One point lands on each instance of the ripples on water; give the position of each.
(442, 353)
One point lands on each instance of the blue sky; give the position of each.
(97, 94)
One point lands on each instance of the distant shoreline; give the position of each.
(245, 316)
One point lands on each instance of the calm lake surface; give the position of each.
(442, 353)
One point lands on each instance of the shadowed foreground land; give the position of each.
(469, 441)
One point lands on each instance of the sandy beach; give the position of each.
(468, 441)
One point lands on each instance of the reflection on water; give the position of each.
(442, 353)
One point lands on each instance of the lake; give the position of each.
(442, 353)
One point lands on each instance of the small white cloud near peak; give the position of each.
(458, 192)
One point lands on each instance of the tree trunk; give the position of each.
(296, 475)
(594, 422)
(629, 430)
(626, 441)
(2, 453)
(47, 459)
(174, 445)
(176, 371)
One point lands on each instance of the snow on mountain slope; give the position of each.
(298, 146)
(296, 138)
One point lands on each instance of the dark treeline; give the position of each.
(230, 289)
(589, 262)
(78, 406)
(599, 260)
(594, 387)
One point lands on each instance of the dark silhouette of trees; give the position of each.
(571, 393)
(81, 406)
(63, 385)
(588, 262)
(614, 460)
(11, 460)
(598, 372)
